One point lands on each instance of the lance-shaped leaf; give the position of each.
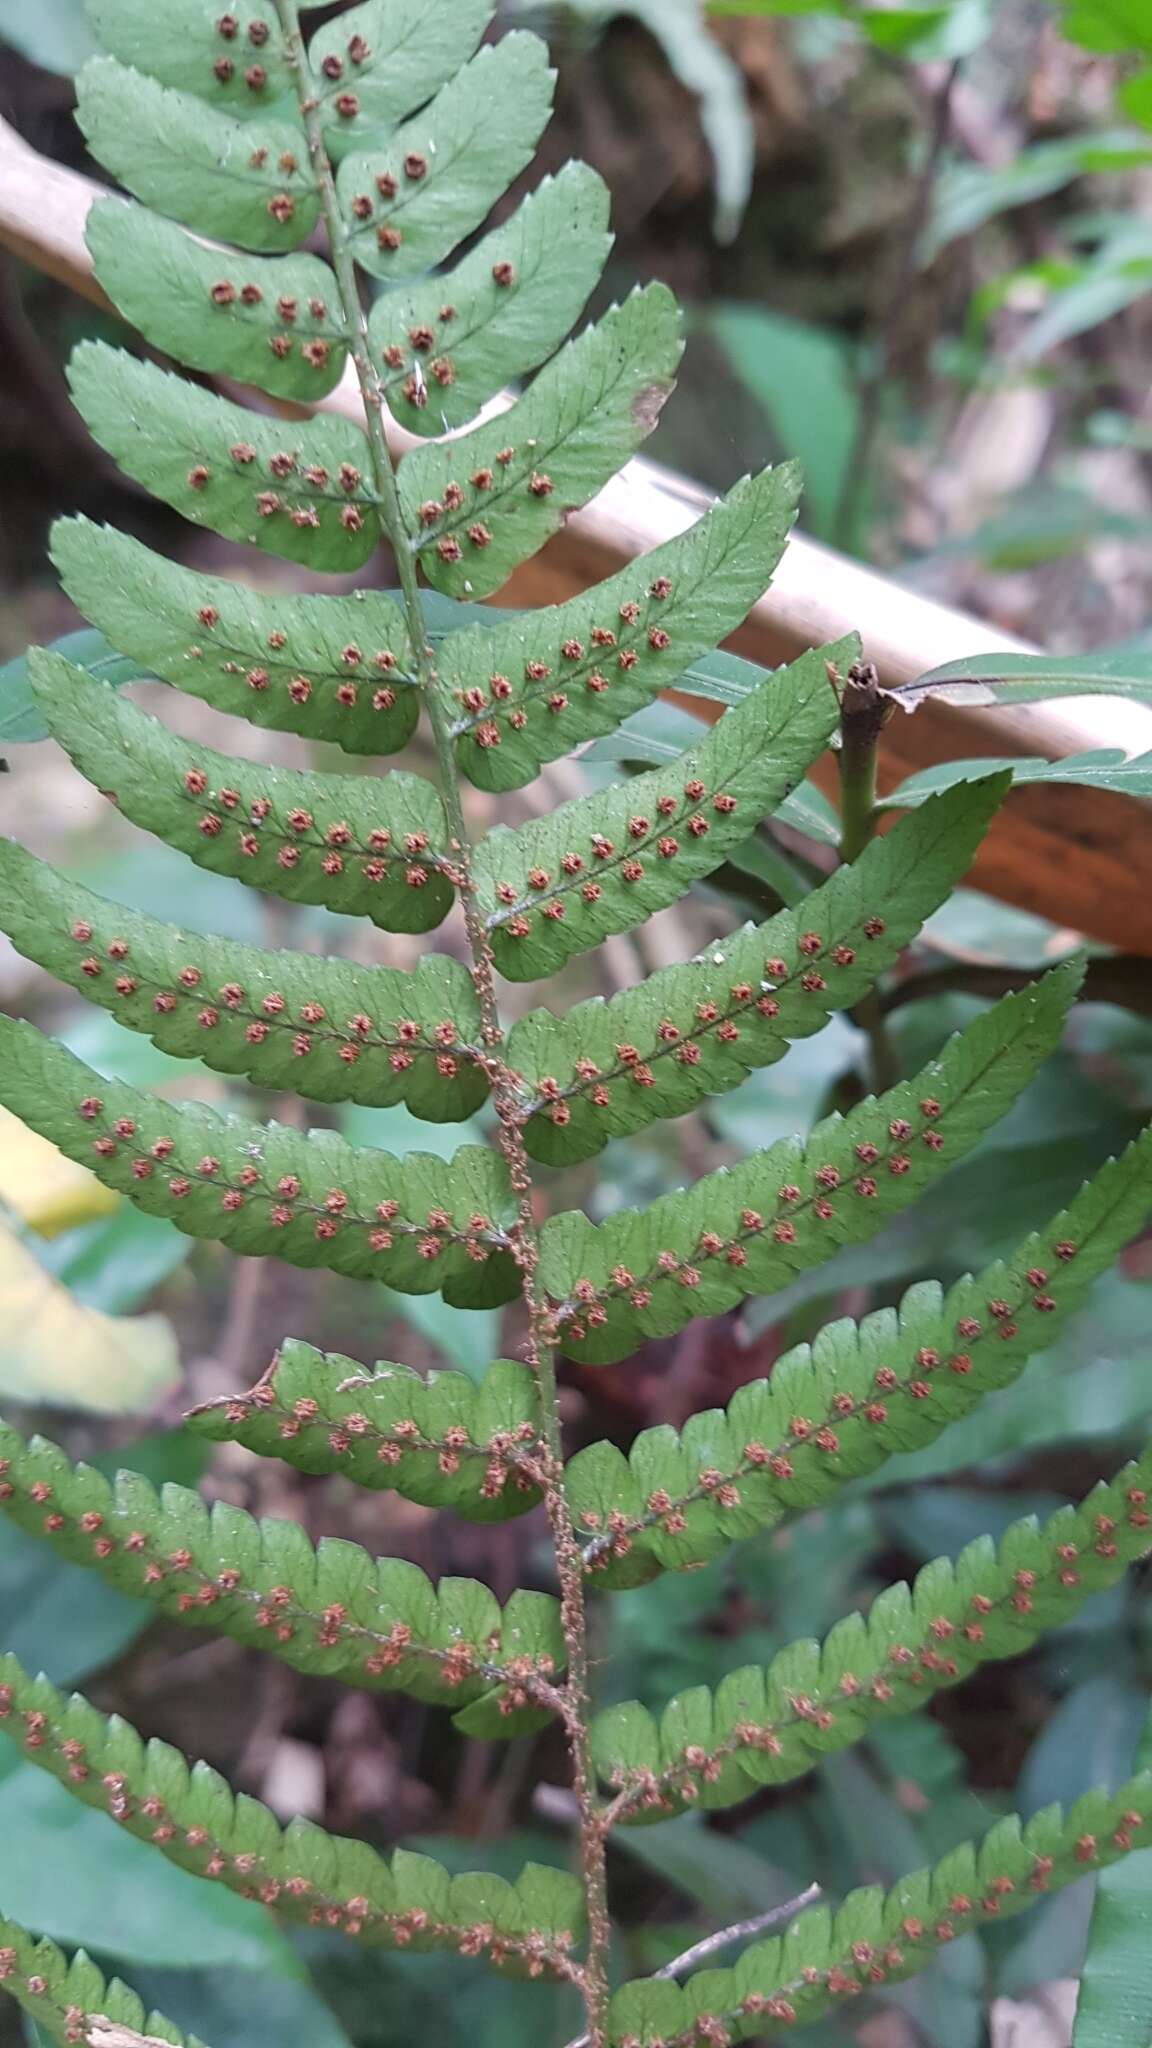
(370, 847)
(191, 1814)
(992, 678)
(421, 1224)
(1114, 2006)
(606, 1069)
(73, 2001)
(445, 1441)
(246, 181)
(409, 203)
(1103, 768)
(448, 344)
(604, 863)
(328, 668)
(375, 63)
(273, 321)
(294, 489)
(235, 60)
(764, 1727)
(542, 682)
(329, 1609)
(332, 1030)
(749, 1229)
(859, 1394)
(828, 1957)
(483, 503)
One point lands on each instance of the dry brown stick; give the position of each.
(741, 1930)
(1079, 857)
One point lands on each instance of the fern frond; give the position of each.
(370, 847)
(410, 201)
(604, 863)
(829, 1956)
(274, 321)
(69, 1999)
(306, 1874)
(447, 345)
(328, 1609)
(422, 1224)
(541, 682)
(749, 1228)
(248, 181)
(387, 133)
(858, 1395)
(328, 668)
(481, 504)
(335, 1031)
(764, 1727)
(445, 1441)
(608, 1068)
(294, 489)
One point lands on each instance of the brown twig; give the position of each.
(740, 1930)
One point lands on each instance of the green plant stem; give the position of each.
(506, 1100)
(863, 712)
(857, 764)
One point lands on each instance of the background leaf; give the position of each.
(52, 33)
(801, 376)
(705, 67)
(115, 1264)
(1107, 768)
(46, 1191)
(1115, 2004)
(230, 2011)
(54, 1350)
(21, 718)
(971, 194)
(59, 1618)
(72, 1874)
(993, 678)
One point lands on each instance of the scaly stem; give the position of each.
(505, 1096)
(863, 713)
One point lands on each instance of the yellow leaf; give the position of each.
(48, 1192)
(53, 1349)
